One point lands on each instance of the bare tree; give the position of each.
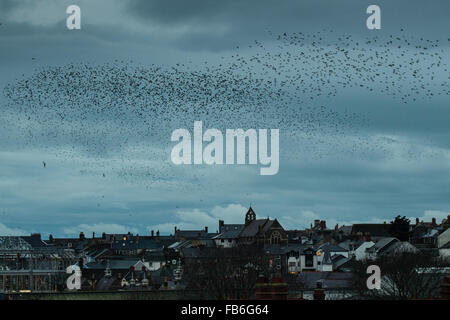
(404, 275)
(226, 273)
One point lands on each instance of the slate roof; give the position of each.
(132, 243)
(401, 247)
(329, 247)
(35, 241)
(234, 234)
(274, 249)
(383, 243)
(345, 244)
(446, 246)
(14, 243)
(346, 230)
(252, 228)
(192, 234)
(232, 227)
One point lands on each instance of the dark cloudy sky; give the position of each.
(407, 173)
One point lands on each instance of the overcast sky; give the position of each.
(126, 188)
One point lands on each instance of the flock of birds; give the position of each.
(287, 83)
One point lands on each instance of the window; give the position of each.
(275, 237)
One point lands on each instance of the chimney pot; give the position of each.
(359, 235)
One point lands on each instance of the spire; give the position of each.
(250, 216)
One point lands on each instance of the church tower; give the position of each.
(250, 216)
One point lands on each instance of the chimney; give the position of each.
(157, 234)
(316, 223)
(221, 224)
(81, 235)
(104, 236)
(50, 238)
(433, 222)
(137, 237)
(367, 236)
(336, 227)
(93, 235)
(36, 235)
(206, 229)
(417, 221)
(153, 233)
(319, 292)
(323, 225)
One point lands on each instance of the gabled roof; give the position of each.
(383, 243)
(35, 241)
(401, 247)
(255, 226)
